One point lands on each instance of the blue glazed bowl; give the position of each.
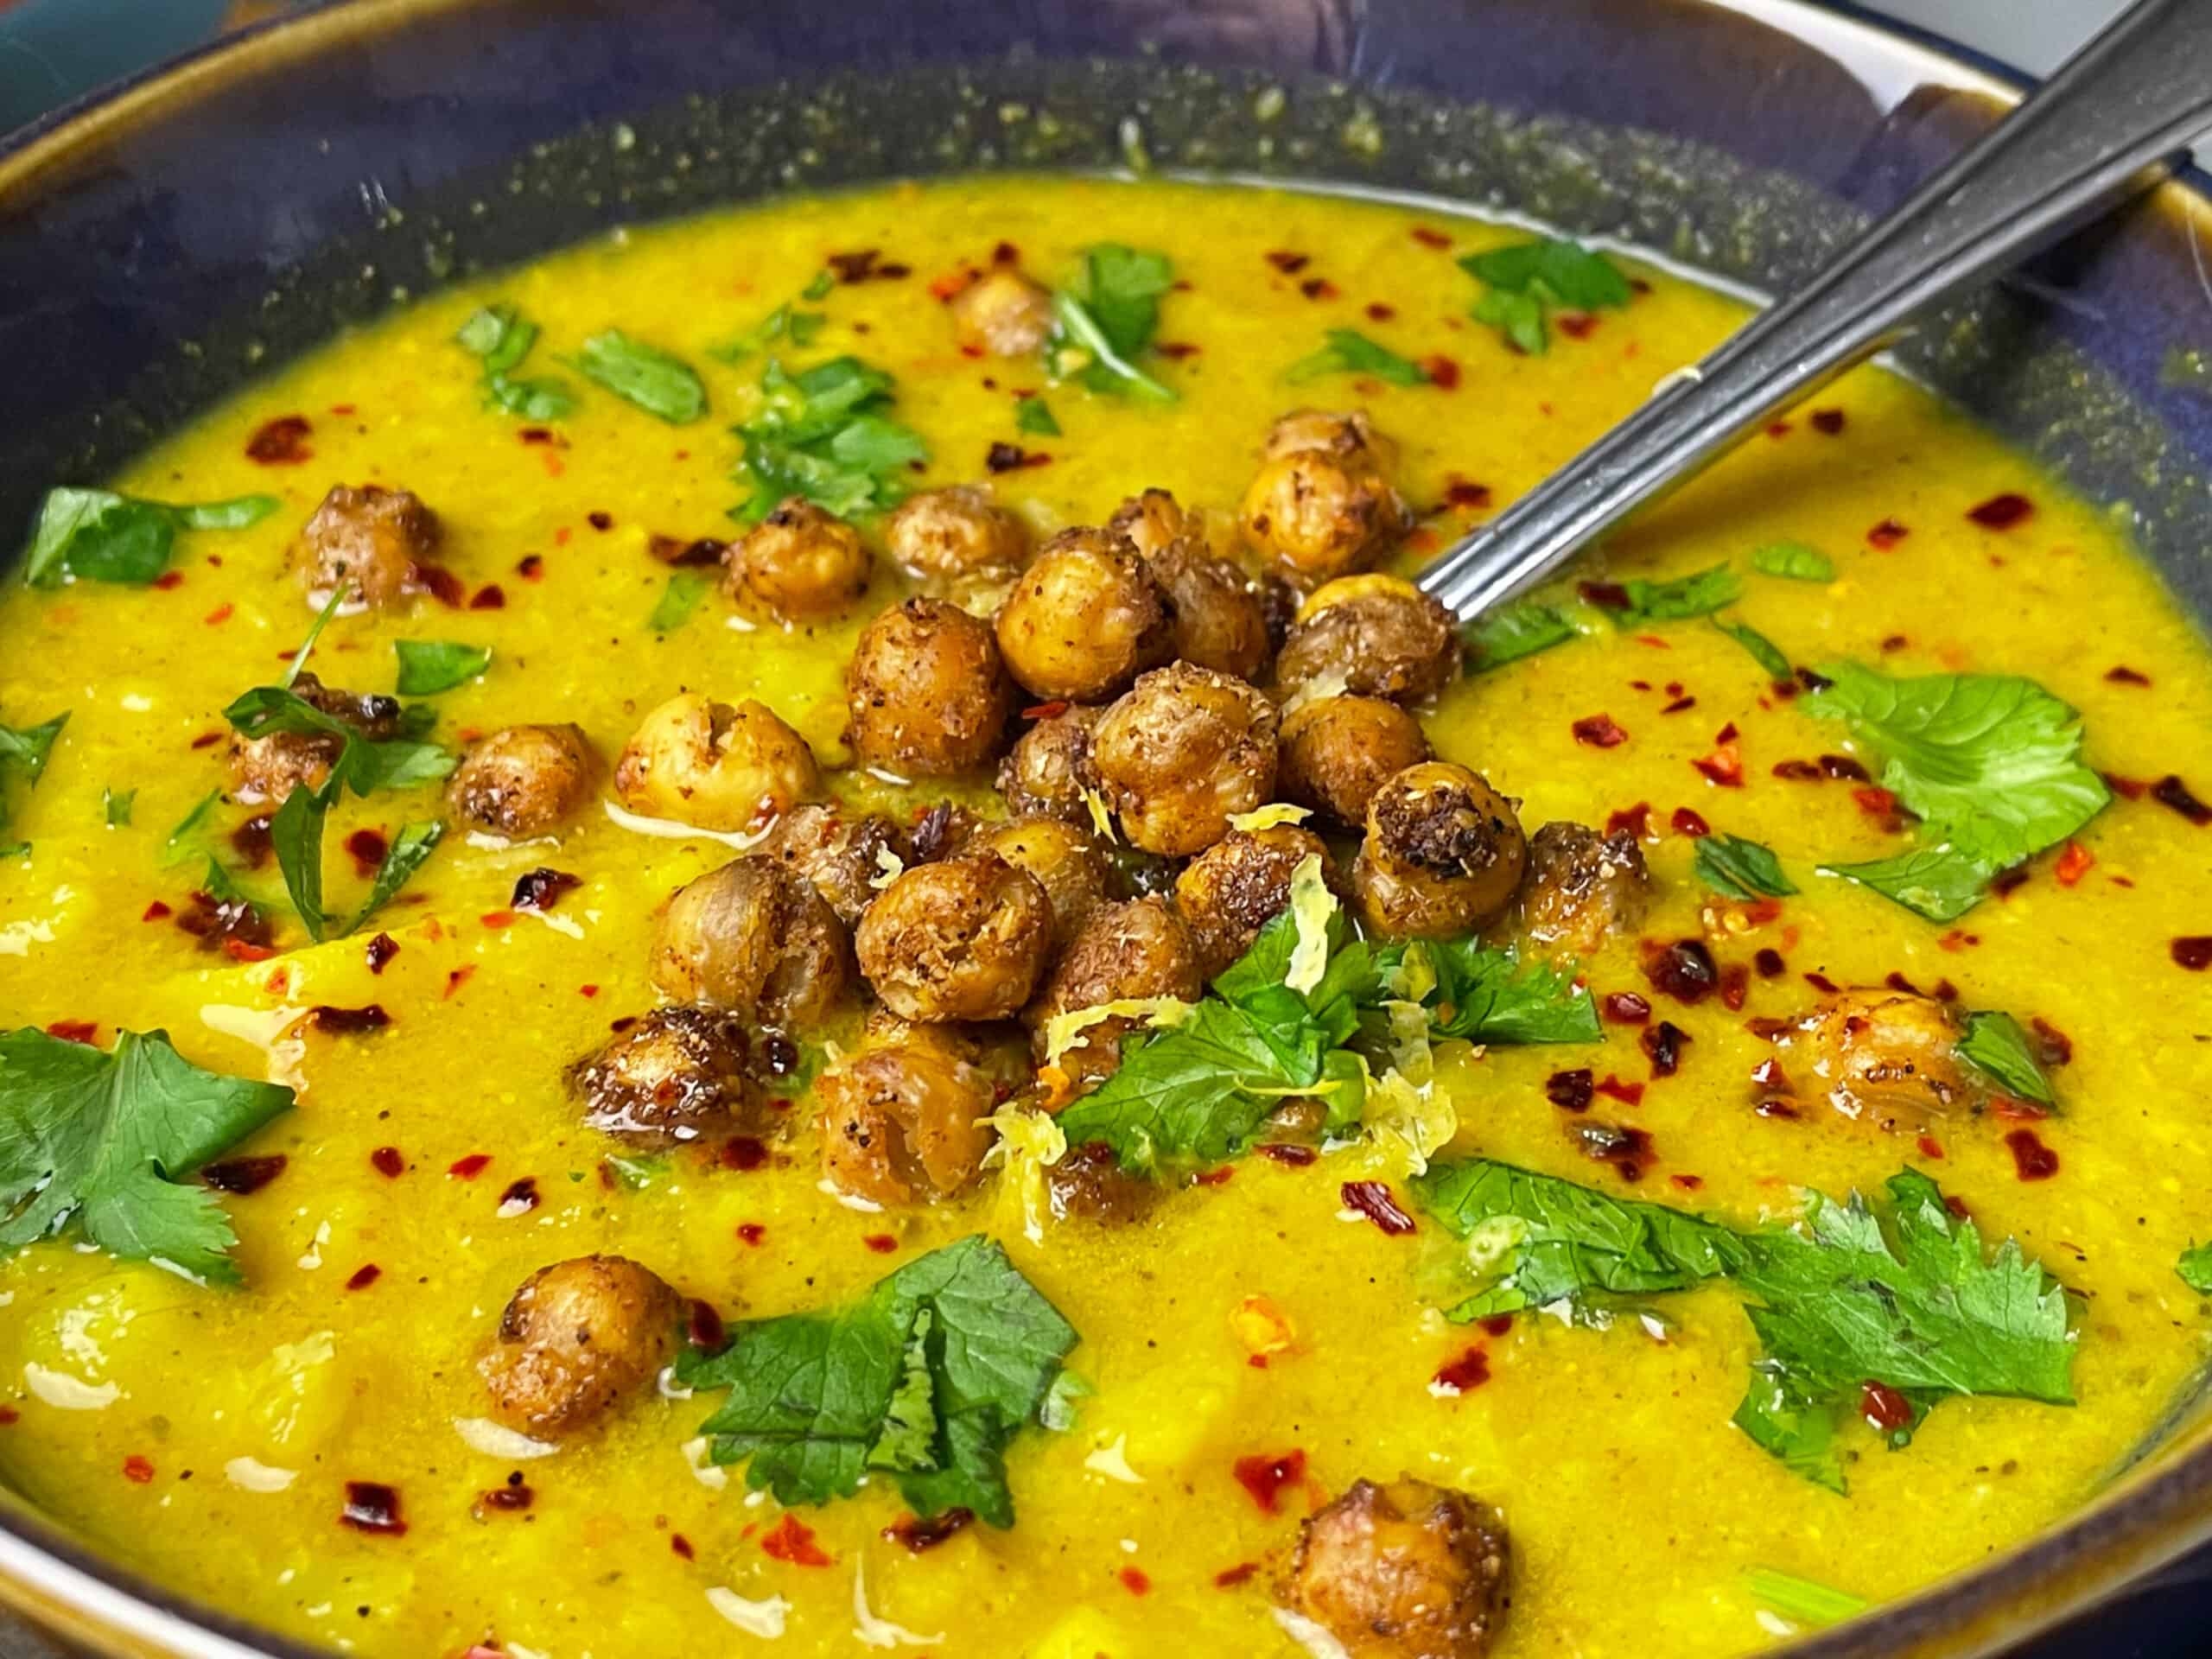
(164, 241)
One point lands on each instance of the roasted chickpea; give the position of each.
(371, 538)
(903, 1123)
(1443, 855)
(522, 781)
(1003, 313)
(1047, 773)
(1220, 622)
(1155, 521)
(715, 765)
(576, 1338)
(1064, 860)
(956, 532)
(1321, 505)
(1178, 755)
(1582, 887)
(270, 768)
(965, 938)
(1406, 1571)
(1123, 952)
(1089, 1184)
(845, 858)
(1338, 752)
(677, 1075)
(1233, 888)
(1377, 636)
(799, 563)
(927, 694)
(1883, 1058)
(1085, 620)
(756, 939)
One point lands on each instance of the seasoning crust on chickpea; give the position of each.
(523, 781)
(575, 1340)
(1336, 752)
(372, 540)
(1085, 619)
(965, 938)
(714, 764)
(926, 693)
(799, 564)
(758, 939)
(1186, 750)
(1443, 855)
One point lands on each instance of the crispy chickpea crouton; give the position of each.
(523, 781)
(1048, 773)
(574, 1339)
(903, 1123)
(270, 768)
(956, 532)
(1134, 951)
(799, 564)
(719, 766)
(1003, 313)
(1377, 636)
(926, 693)
(371, 538)
(1338, 752)
(1406, 1571)
(1086, 618)
(1181, 754)
(1582, 887)
(1233, 888)
(757, 939)
(1443, 856)
(965, 938)
(675, 1075)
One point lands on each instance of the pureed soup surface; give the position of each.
(1255, 1343)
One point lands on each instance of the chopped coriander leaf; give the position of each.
(824, 279)
(1991, 763)
(1795, 560)
(429, 666)
(2195, 1267)
(24, 752)
(295, 835)
(1523, 283)
(928, 1377)
(501, 338)
(1106, 367)
(1802, 1600)
(185, 840)
(1995, 1046)
(339, 594)
(364, 764)
(1484, 994)
(1737, 868)
(1701, 595)
(786, 324)
(1349, 352)
(99, 1140)
(1512, 631)
(98, 536)
(410, 848)
(822, 434)
(654, 380)
(635, 1174)
(1764, 651)
(544, 399)
(1035, 415)
(116, 805)
(678, 600)
(1121, 289)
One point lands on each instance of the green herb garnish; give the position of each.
(1803, 1601)
(1995, 1046)
(296, 834)
(24, 752)
(100, 1139)
(429, 666)
(1795, 560)
(185, 839)
(1740, 869)
(654, 380)
(1349, 352)
(785, 325)
(928, 1378)
(2195, 1267)
(98, 536)
(678, 600)
(1991, 763)
(1764, 651)
(501, 338)
(1033, 415)
(1108, 318)
(1487, 995)
(1524, 283)
(822, 434)
(1701, 595)
(115, 806)
(1512, 631)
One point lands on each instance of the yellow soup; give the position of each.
(1266, 1331)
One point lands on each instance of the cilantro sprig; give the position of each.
(926, 1378)
(1738, 868)
(1346, 351)
(1509, 633)
(823, 433)
(24, 754)
(99, 536)
(1525, 283)
(1637, 601)
(500, 338)
(99, 1141)
(642, 375)
(1107, 320)
(1995, 1046)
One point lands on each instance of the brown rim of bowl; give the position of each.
(2144, 1521)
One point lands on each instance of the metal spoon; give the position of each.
(2099, 129)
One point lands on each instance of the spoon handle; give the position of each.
(2135, 95)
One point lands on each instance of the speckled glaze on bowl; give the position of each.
(166, 240)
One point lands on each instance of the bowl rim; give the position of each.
(51, 1576)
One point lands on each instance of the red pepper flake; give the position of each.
(1220, 1177)
(346, 1022)
(704, 1328)
(1679, 706)
(245, 951)
(1373, 1200)
(2001, 512)
(168, 581)
(1265, 1477)
(367, 849)
(1606, 595)
(541, 889)
(532, 567)
(1134, 1580)
(917, 1535)
(1629, 1094)
(156, 912)
(1230, 1577)
(2171, 792)
(1571, 1091)
(511, 1496)
(1887, 535)
(1175, 350)
(390, 1163)
(855, 267)
(2032, 1160)
(1599, 732)
(1287, 263)
(1875, 801)
(882, 1244)
(744, 1152)
(1635, 820)
(365, 1276)
(138, 1469)
(1003, 457)
(469, 1168)
(1466, 496)
(1443, 373)
(380, 951)
(1319, 287)
(373, 1507)
(1665, 1043)
(280, 442)
(681, 1546)
(1626, 1009)
(1284, 1153)
(1575, 325)
(220, 615)
(793, 1540)
(457, 978)
(1626, 1149)
(1930, 1147)
(2053, 1046)
(520, 1198)
(496, 919)
(1724, 766)
(2073, 864)
(206, 739)
(1429, 239)
(444, 587)
(241, 1176)
(2121, 674)
(2194, 952)
(9, 1416)
(1884, 1409)
(1687, 1183)
(74, 1031)
(1769, 964)
(2005, 883)
(1687, 822)
(751, 1232)
(489, 597)
(1051, 711)
(1470, 1371)
(953, 284)
(1684, 971)
(1828, 420)
(1779, 429)
(1378, 312)
(1843, 767)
